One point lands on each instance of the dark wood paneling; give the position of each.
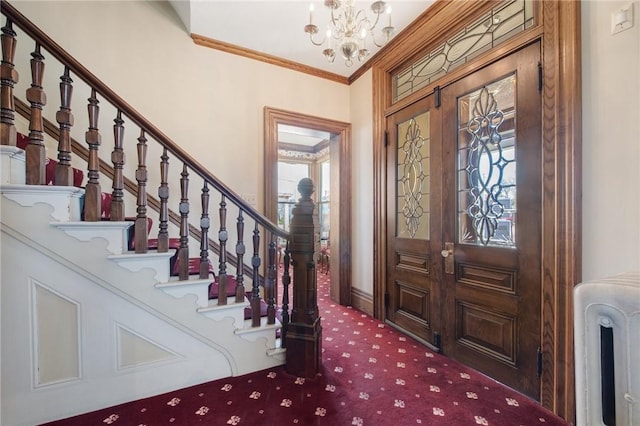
(413, 263)
(484, 331)
(412, 301)
(486, 277)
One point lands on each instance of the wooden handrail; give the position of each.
(103, 90)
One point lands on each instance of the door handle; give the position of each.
(447, 254)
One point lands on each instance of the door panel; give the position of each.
(412, 290)
(471, 273)
(494, 141)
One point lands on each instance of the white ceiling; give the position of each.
(276, 27)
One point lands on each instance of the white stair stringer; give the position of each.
(197, 287)
(215, 348)
(115, 233)
(230, 310)
(12, 165)
(266, 332)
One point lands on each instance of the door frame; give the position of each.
(558, 28)
(340, 210)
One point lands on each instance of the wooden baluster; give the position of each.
(8, 80)
(270, 287)
(222, 238)
(92, 192)
(183, 251)
(304, 332)
(141, 231)
(240, 250)
(35, 152)
(117, 158)
(163, 194)
(286, 280)
(204, 229)
(64, 117)
(255, 289)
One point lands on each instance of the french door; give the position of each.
(464, 220)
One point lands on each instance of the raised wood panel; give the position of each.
(412, 301)
(486, 277)
(413, 263)
(484, 331)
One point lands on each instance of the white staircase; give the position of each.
(87, 324)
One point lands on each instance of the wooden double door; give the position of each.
(464, 220)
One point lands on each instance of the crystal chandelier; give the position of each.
(348, 29)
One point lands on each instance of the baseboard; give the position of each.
(362, 301)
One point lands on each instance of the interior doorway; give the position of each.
(297, 143)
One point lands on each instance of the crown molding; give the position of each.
(262, 57)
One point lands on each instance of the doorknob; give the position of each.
(447, 254)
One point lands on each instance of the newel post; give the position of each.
(304, 332)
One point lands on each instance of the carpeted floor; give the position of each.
(371, 375)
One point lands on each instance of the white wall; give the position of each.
(362, 183)
(610, 142)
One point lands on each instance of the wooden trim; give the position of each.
(558, 27)
(362, 301)
(304, 148)
(341, 162)
(269, 59)
(562, 234)
(379, 195)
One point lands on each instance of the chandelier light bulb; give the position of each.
(350, 27)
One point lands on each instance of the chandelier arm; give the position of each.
(316, 43)
(373, 38)
(335, 21)
(375, 23)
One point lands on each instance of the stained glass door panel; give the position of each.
(492, 169)
(413, 294)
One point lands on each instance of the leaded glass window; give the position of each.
(413, 178)
(487, 165)
(498, 25)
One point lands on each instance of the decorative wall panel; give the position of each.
(56, 336)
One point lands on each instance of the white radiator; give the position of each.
(607, 351)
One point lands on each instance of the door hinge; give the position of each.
(386, 300)
(437, 340)
(386, 139)
(436, 94)
(539, 356)
(540, 77)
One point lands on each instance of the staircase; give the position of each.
(100, 307)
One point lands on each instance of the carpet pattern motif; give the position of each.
(371, 375)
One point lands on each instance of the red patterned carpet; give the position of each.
(371, 375)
